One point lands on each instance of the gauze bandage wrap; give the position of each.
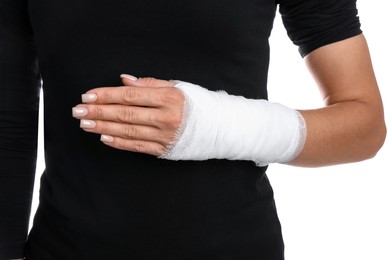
(221, 126)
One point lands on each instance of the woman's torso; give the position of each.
(100, 203)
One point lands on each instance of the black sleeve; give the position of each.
(19, 102)
(311, 24)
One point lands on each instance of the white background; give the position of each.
(331, 213)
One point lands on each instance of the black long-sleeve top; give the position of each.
(97, 202)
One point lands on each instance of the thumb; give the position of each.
(129, 80)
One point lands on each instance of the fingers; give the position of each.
(123, 95)
(129, 80)
(142, 116)
(138, 146)
(118, 113)
(137, 91)
(148, 91)
(127, 131)
(165, 119)
(133, 138)
(134, 96)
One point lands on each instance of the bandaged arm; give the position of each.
(217, 125)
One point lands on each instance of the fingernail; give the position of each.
(130, 77)
(89, 97)
(79, 111)
(107, 138)
(87, 123)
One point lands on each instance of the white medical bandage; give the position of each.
(221, 126)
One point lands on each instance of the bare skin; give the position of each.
(143, 115)
(351, 126)
(139, 117)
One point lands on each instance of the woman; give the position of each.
(186, 178)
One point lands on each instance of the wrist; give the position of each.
(221, 126)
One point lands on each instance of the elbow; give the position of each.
(377, 140)
(375, 134)
(381, 136)
(370, 140)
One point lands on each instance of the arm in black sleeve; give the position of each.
(19, 101)
(315, 23)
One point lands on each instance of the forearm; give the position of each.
(345, 132)
(216, 125)
(342, 132)
(351, 127)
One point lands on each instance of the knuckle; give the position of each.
(155, 119)
(129, 95)
(104, 96)
(173, 121)
(125, 115)
(149, 81)
(160, 150)
(166, 120)
(176, 120)
(103, 127)
(130, 131)
(139, 146)
(167, 138)
(120, 145)
(178, 93)
(172, 96)
(175, 94)
(98, 111)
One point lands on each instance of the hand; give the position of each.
(141, 116)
